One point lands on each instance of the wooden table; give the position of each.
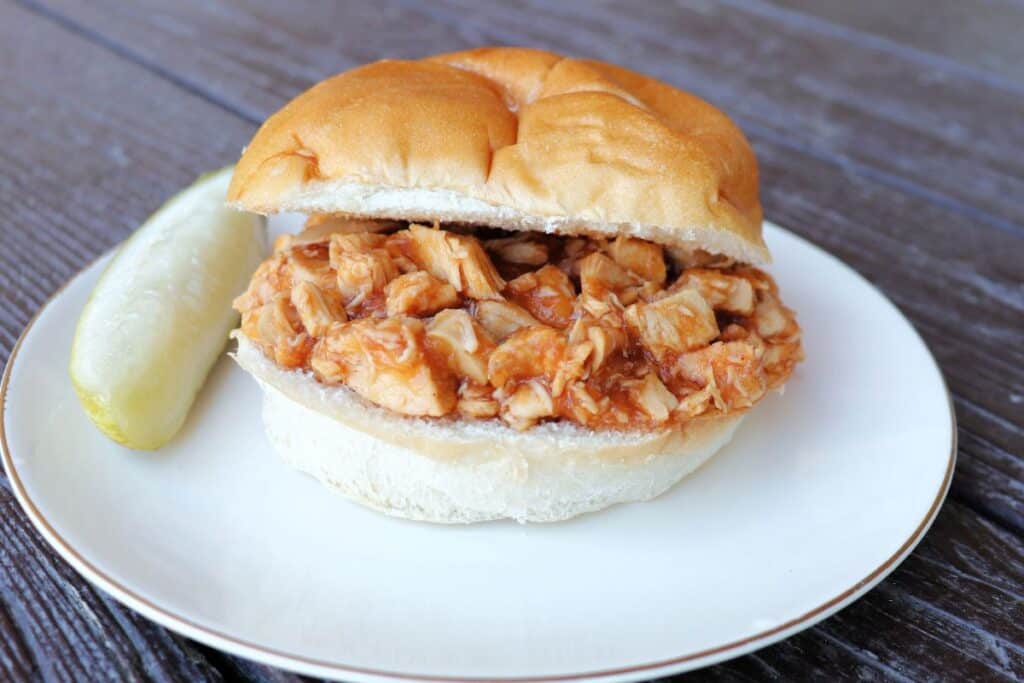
(894, 138)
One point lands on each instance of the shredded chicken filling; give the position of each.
(522, 327)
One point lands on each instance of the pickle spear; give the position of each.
(160, 314)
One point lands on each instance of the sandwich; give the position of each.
(528, 287)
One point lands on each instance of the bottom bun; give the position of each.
(453, 471)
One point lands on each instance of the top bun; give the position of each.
(515, 138)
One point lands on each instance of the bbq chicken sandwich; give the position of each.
(528, 286)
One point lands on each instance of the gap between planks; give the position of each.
(133, 56)
(798, 18)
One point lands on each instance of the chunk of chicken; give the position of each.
(653, 397)
(317, 309)
(605, 339)
(526, 405)
(590, 345)
(400, 246)
(502, 318)
(319, 228)
(519, 249)
(462, 342)
(477, 401)
(311, 264)
(360, 274)
(698, 258)
(277, 329)
(575, 250)
(270, 279)
(547, 294)
(676, 323)
(457, 259)
(779, 361)
(601, 277)
(734, 332)
(572, 368)
(320, 224)
(283, 243)
(773, 321)
(729, 376)
(605, 309)
(583, 405)
(386, 362)
(643, 258)
(357, 243)
(529, 353)
(723, 292)
(761, 281)
(419, 294)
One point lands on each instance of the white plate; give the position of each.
(821, 494)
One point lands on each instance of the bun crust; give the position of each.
(515, 138)
(461, 472)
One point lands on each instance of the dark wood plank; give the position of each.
(16, 662)
(939, 260)
(982, 35)
(238, 669)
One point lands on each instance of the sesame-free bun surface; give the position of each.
(515, 138)
(467, 471)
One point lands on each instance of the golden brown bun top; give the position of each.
(511, 137)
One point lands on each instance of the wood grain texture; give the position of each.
(70, 189)
(979, 36)
(106, 110)
(866, 167)
(60, 628)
